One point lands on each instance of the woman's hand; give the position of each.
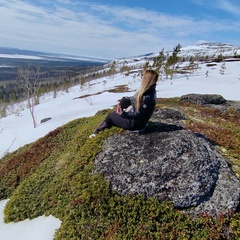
(119, 109)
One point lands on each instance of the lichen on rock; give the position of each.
(170, 163)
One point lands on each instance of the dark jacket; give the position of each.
(140, 118)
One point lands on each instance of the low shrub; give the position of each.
(55, 176)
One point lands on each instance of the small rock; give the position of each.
(45, 119)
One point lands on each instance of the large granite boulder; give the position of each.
(170, 163)
(203, 99)
(211, 100)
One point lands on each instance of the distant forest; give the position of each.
(53, 75)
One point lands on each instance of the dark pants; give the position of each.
(114, 119)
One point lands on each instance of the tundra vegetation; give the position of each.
(54, 175)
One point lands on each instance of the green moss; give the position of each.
(57, 179)
(167, 102)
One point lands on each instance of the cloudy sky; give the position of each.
(116, 28)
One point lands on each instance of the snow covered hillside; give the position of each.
(17, 128)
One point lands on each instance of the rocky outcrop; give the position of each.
(170, 163)
(203, 99)
(211, 100)
(169, 116)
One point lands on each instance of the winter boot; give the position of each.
(101, 127)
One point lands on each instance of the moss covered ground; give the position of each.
(54, 176)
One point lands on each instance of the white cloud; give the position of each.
(229, 6)
(99, 30)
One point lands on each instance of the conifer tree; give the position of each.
(172, 61)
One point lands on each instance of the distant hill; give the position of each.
(54, 64)
(15, 53)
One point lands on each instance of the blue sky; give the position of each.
(118, 28)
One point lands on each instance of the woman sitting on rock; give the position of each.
(134, 112)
